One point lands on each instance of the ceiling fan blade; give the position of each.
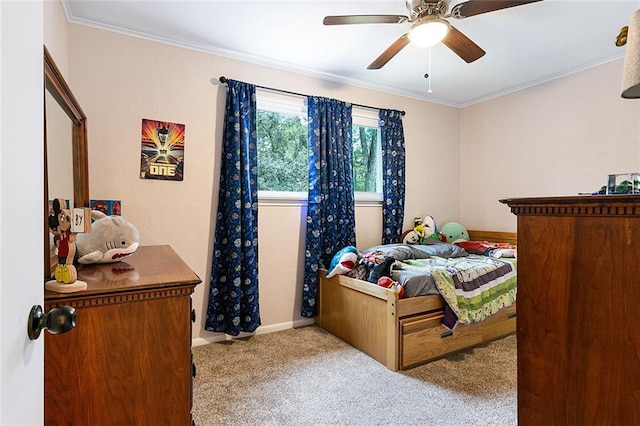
(463, 46)
(477, 7)
(364, 19)
(391, 51)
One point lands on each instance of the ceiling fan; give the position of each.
(430, 26)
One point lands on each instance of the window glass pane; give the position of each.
(282, 143)
(367, 161)
(366, 152)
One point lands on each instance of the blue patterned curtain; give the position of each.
(393, 185)
(233, 294)
(330, 212)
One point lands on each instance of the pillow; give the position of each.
(487, 248)
(473, 247)
(502, 252)
(343, 261)
(402, 252)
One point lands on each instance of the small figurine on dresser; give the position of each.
(64, 224)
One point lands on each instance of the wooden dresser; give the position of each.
(128, 360)
(578, 325)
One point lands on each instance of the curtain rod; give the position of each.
(224, 80)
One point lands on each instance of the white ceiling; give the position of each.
(525, 45)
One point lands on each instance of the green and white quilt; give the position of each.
(474, 287)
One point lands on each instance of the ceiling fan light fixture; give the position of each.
(429, 32)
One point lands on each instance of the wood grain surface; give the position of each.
(128, 360)
(578, 327)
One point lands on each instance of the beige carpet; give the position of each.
(306, 376)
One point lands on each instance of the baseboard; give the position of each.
(220, 337)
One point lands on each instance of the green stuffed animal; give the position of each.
(454, 232)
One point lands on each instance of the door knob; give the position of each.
(58, 320)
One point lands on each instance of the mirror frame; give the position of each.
(56, 85)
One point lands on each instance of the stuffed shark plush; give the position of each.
(111, 239)
(343, 261)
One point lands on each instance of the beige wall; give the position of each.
(558, 138)
(119, 80)
(55, 33)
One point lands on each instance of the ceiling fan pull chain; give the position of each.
(429, 71)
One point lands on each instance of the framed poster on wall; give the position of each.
(162, 153)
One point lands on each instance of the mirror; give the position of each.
(66, 168)
(58, 133)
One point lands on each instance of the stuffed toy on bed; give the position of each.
(415, 235)
(424, 231)
(454, 232)
(387, 282)
(343, 261)
(111, 239)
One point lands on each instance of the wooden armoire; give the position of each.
(578, 328)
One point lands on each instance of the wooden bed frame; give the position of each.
(402, 333)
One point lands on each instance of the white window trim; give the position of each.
(285, 103)
(364, 117)
(300, 198)
(282, 198)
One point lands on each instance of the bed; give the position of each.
(403, 333)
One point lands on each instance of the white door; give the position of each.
(21, 209)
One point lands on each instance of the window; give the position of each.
(367, 158)
(282, 148)
(282, 144)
